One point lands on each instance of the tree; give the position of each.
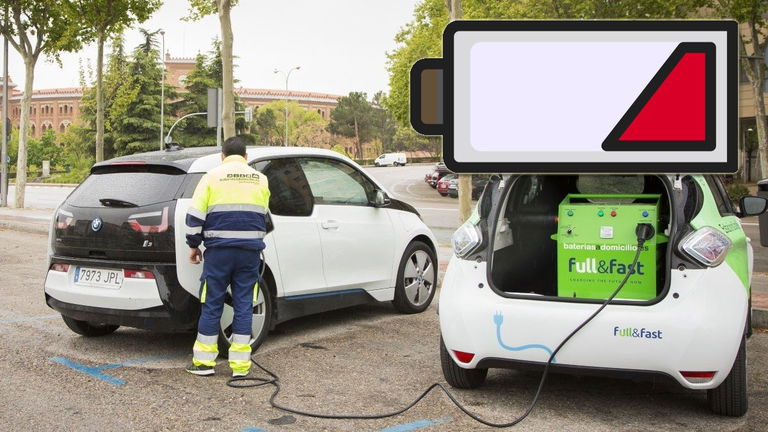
(306, 128)
(100, 19)
(138, 101)
(354, 117)
(116, 77)
(34, 28)
(753, 13)
(199, 9)
(386, 126)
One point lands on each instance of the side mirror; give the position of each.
(752, 206)
(380, 199)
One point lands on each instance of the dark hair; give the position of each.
(233, 146)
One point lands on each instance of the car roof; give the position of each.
(201, 159)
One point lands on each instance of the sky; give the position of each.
(340, 45)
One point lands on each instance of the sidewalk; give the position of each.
(38, 221)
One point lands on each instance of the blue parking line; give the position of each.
(416, 425)
(252, 430)
(34, 318)
(95, 371)
(92, 371)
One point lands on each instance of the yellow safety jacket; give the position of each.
(229, 207)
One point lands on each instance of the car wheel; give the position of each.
(87, 328)
(458, 376)
(730, 397)
(416, 278)
(262, 320)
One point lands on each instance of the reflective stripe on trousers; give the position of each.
(240, 353)
(205, 350)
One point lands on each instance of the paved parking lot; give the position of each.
(362, 360)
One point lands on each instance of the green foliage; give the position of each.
(422, 37)
(201, 8)
(354, 117)
(736, 191)
(134, 113)
(338, 148)
(306, 128)
(45, 148)
(39, 27)
(407, 139)
(102, 18)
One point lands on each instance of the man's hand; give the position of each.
(195, 256)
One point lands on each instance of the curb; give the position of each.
(33, 228)
(759, 318)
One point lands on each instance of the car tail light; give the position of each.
(466, 239)
(707, 245)
(463, 357)
(63, 219)
(698, 377)
(133, 220)
(138, 274)
(60, 267)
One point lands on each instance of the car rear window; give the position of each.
(140, 185)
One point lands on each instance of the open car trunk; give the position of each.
(532, 214)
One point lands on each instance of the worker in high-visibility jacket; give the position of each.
(228, 213)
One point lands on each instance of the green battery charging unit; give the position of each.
(596, 243)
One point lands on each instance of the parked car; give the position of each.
(501, 305)
(478, 183)
(118, 255)
(394, 159)
(442, 184)
(435, 175)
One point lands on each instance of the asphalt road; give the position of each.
(361, 360)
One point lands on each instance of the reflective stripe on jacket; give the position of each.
(229, 207)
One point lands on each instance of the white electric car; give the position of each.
(118, 254)
(499, 305)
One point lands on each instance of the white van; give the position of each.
(394, 159)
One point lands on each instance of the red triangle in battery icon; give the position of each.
(676, 110)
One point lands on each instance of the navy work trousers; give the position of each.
(223, 267)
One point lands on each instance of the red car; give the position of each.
(443, 183)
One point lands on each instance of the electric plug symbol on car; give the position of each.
(498, 320)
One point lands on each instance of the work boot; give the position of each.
(201, 370)
(240, 374)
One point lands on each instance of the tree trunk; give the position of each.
(756, 75)
(228, 110)
(21, 160)
(100, 98)
(465, 180)
(358, 145)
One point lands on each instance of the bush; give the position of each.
(736, 191)
(74, 176)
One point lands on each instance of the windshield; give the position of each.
(142, 186)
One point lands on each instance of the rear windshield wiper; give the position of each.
(114, 202)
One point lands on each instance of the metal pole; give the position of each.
(4, 150)
(162, 92)
(285, 144)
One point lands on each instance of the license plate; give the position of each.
(101, 278)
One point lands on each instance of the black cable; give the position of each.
(643, 232)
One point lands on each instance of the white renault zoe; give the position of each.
(118, 253)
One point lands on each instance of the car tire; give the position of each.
(443, 194)
(456, 375)
(416, 279)
(89, 329)
(262, 320)
(730, 397)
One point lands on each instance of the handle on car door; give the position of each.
(330, 224)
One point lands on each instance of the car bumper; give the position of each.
(698, 330)
(154, 304)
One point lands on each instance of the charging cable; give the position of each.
(643, 232)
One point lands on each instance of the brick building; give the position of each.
(58, 108)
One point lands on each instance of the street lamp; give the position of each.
(287, 75)
(162, 90)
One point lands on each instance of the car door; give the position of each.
(296, 236)
(357, 238)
